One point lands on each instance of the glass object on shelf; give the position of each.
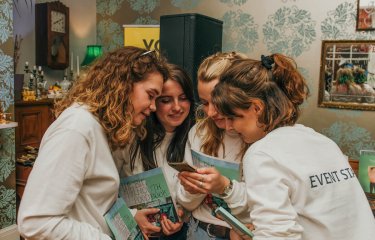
(65, 85)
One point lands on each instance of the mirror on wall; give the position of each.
(366, 15)
(347, 75)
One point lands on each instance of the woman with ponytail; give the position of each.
(299, 184)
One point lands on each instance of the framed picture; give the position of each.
(365, 15)
(347, 74)
(366, 172)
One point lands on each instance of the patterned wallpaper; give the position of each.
(255, 27)
(7, 141)
(293, 27)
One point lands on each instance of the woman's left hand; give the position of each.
(168, 227)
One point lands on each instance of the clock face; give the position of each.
(57, 22)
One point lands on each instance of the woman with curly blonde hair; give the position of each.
(210, 137)
(75, 180)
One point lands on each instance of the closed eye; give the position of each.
(164, 99)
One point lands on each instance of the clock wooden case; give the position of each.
(52, 35)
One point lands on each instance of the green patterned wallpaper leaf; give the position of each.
(109, 35)
(341, 24)
(350, 137)
(144, 6)
(108, 7)
(7, 153)
(240, 33)
(7, 207)
(289, 30)
(185, 4)
(7, 144)
(6, 15)
(146, 20)
(230, 3)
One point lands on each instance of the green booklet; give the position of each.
(366, 171)
(149, 189)
(236, 225)
(122, 223)
(230, 170)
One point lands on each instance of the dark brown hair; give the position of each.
(280, 87)
(145, 148)
(106, 90)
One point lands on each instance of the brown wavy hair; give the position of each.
(209, 70)
(282, 89)
(107, 87)
(145, 148)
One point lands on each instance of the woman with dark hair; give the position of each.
(75, 180)
(167, 132)
(298, 182)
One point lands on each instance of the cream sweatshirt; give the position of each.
(74, 181)
(303, 188)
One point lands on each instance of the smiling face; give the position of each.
(172, 106)
(144, 95)
(204, 91)
(246, 123)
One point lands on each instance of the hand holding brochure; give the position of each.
(121, 222)
(231, 170)
(236, 225)
(149, 189)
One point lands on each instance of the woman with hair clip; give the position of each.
(167, 132)
(75, 180)
(299, 184)
(210, 137)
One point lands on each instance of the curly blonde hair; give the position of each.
(209, 70)
(107, 88)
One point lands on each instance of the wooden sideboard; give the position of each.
(33, 117)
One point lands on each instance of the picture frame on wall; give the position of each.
(347, 74)
(366, 172)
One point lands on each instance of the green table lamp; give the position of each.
(92, 53)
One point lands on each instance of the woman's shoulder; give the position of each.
(77, 117)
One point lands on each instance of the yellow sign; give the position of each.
(143, 36)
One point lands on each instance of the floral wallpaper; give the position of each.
(7, 141)
(292, 27)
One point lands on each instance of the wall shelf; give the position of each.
(8, 125)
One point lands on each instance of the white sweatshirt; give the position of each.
(301, 186)
(74, 181)
(193, 202)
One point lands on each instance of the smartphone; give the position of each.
(182, 166)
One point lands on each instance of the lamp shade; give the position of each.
(92, 53)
